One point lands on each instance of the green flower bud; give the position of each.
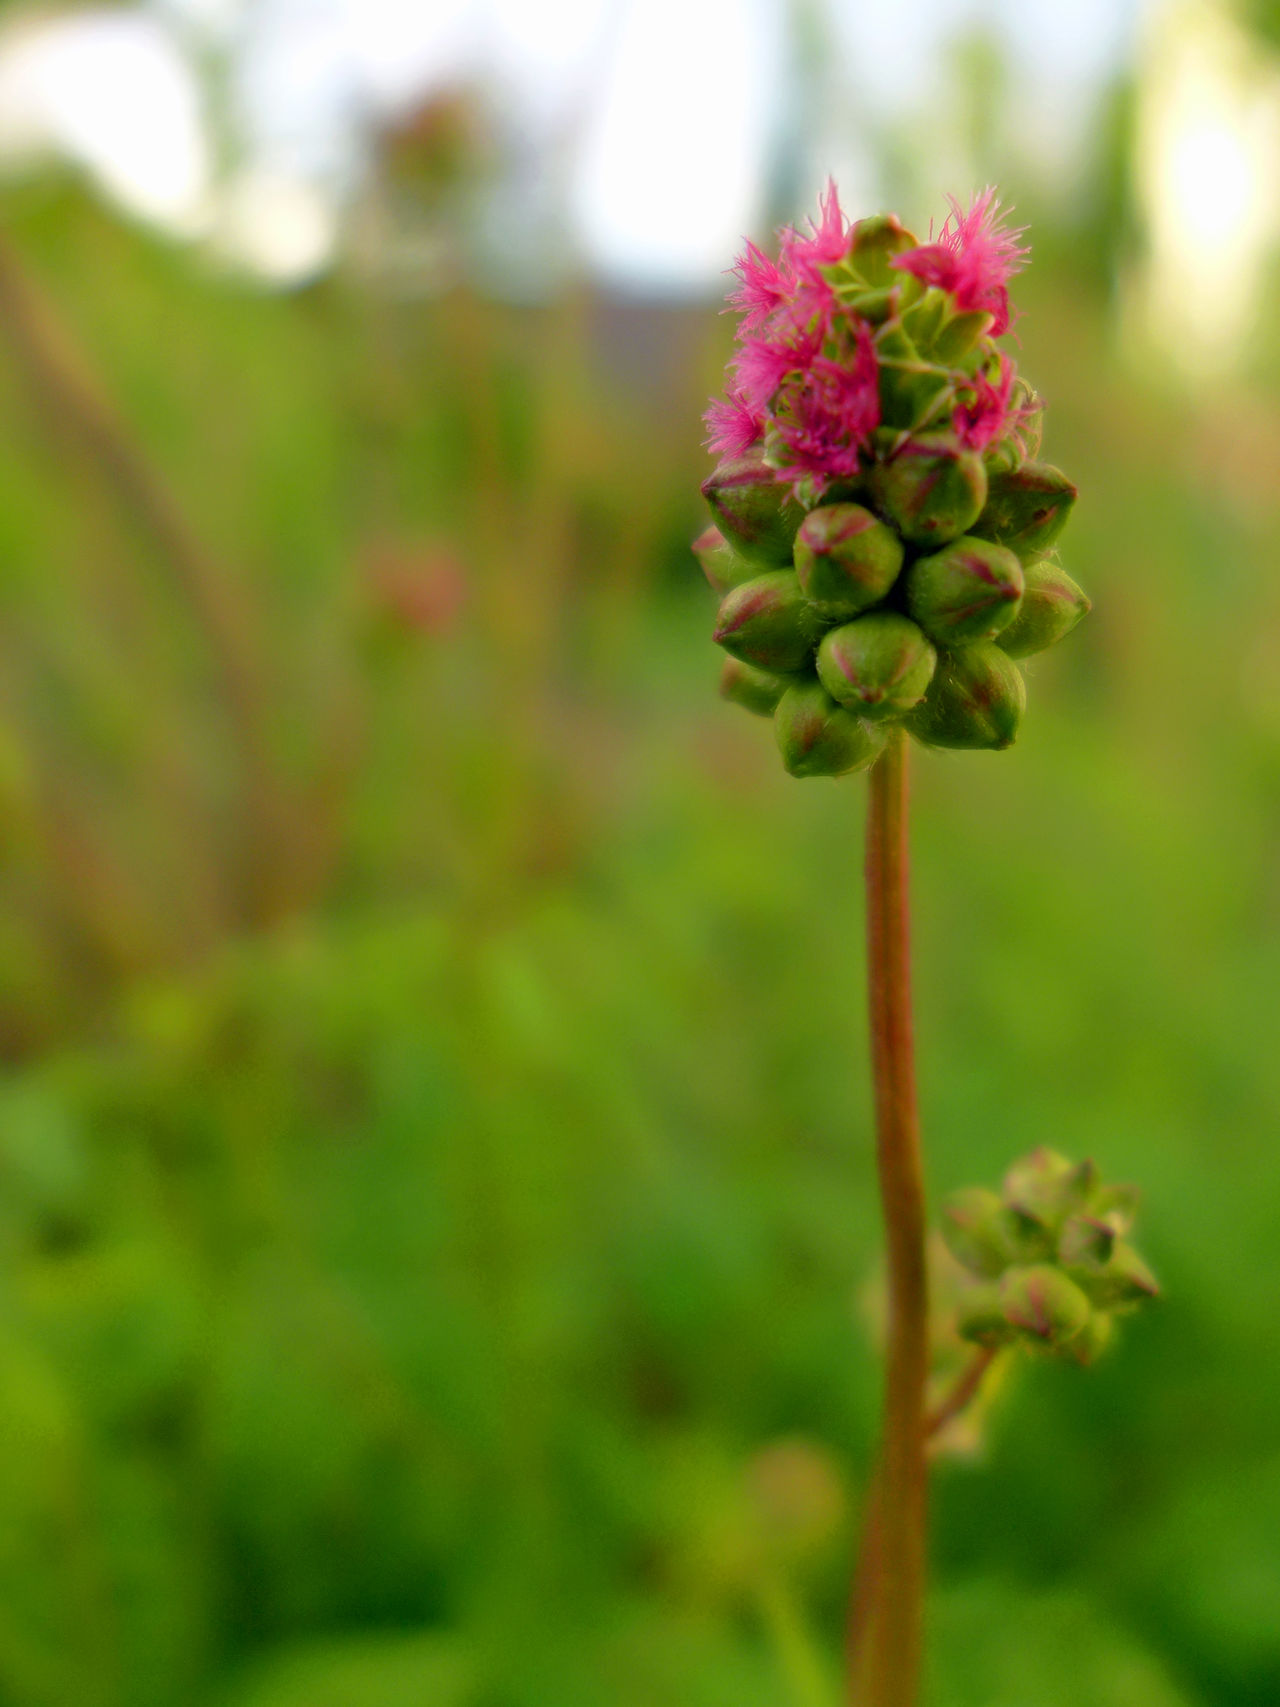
(1027, 508)
(975, 700)
(1000, 457)
(967, 591)
(768, 621)
(875, 242)
(923, 320)
(1120, 1282)
(1051, 606)
(1086, 1242)
(976, 1229)
(846, 558)
(959, 336)
(1046, 1187)
(817, 737)
(980, 1316)
(910, 386)
(1016, 448)
(877, 306)
(1093, 1339)
(753, 509)
(751, 687)
(1117, 1205)
(879, 665)
(1044, 1303)
(932, 491)
(721, 564)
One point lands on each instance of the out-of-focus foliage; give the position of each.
(435, 1174)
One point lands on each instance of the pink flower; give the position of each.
(763, 363)
(827, 242)
(734, 425)
(785, 367)
(974, 257)
(989, 416)
(764, 286)
(826, 417)
(805, 375)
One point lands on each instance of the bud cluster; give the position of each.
(1048, 1256)
(882, 531)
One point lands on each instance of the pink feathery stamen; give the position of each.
(763, 363)
(988, 417)
(806, 366)
(826, 243)
(830, 415)
(733, 426)
(764, 286)
(974, 257)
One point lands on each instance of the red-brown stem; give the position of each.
(896, 1626)
(953, 1403)
(962, 1392)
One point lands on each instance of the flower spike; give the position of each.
(869, 414)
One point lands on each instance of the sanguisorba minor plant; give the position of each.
(883, 552)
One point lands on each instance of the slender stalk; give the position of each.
(65, 383)
(68, 388)
(866, 1578)
(962, 1392)
(798, 1655)
(896, 1631)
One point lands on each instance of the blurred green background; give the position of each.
(436, 1190)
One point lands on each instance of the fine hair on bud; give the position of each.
(724, 567)
(769, 622)
(753, 511)
(975, 700)
(817, 737)
(1027, 508)
(847, 559)
(931, 490)
(1051, 606)
(752, 688)
(968, 591)
(880, 664)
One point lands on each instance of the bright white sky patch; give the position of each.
(276, 225)
(111, 91)
(1209, 137)
(547, 53)
(650, 123)
(674, 150)
(1059, 52)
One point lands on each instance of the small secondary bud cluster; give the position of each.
(1049, 1257)
(881, 531)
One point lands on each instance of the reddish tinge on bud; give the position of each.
(879, 665)
(967, 591)
(753, 509)
(846, 559)
(721, 564)
(1052, 604)
(932, 490)
(769, 622)
(1044, 1303)
(975, 700)
(817, 737)
(1027, 508)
